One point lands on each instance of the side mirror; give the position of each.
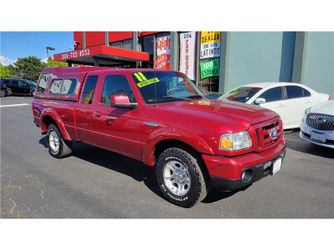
(122, 101)
(260, 101)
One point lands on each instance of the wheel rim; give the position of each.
(54, 141)
(176, 178)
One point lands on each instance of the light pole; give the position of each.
(47, 51)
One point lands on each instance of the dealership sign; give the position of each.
(209, 68)
(187, 54)
(210, 44)
(163, 53)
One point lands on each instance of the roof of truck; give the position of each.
(56, 70)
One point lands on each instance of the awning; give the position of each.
(102, 55)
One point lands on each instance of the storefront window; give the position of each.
(210, 60)
(148, 47)
(127, 44)
(116, 44)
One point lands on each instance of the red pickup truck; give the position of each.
(162, 119)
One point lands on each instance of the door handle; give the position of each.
(110, 121)
(97, 114)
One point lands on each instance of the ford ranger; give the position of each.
(162, 119)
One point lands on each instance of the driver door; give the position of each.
(114, 128)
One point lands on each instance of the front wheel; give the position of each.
(180, 177)
(58, 147)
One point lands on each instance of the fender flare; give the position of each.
(173, 133)
(59, 122)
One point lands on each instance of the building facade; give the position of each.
(218, 61)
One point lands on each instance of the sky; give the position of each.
(21, 44)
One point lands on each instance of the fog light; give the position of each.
(247, 176)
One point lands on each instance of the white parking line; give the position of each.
(14, 105)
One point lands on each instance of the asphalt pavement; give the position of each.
(95, 183)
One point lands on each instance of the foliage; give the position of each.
(53, 63)
(5, 71)
(27, 67)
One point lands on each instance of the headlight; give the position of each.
(235, 141)
(307, 111)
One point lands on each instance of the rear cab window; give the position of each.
(42, 83)
(63, 86)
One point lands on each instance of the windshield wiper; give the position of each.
(173, 98)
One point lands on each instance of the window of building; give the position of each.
(127, 44)
(63, 86)
(148, 47)
(115, 85)
(294, 92)
(89, 89)
(116, 44)
(272, 95)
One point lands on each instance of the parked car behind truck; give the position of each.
(289, 100)
(162, 119)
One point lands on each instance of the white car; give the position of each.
(317, 125)
(289, 100)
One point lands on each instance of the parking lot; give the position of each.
(95, 183)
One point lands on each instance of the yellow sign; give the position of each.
(210, 36)
(143, 81)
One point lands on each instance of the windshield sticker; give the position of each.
(143, 81)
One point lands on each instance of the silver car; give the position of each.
(317, 124)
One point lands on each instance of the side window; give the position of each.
(272, 95)
(116, 84)
(306, 92)
(22, 83)
(63, 86)
(294, 92)
(89, 89)
(42, 83)
(15, 82)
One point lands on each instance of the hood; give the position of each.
(323, 108)
(220, 111)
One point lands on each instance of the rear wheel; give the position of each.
(180, 177)
(58, 147)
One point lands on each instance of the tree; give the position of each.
(27, 67)
(53, 63)
(4, 71)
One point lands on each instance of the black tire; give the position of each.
(8, 91)
(64, 148)
(198, 186)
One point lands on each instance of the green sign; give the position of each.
(209, 68)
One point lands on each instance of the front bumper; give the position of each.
(226, 172)
(306, 131)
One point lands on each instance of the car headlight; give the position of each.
(307, 111)
(235, 141)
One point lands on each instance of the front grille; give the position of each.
(320, 121)
(268, 134)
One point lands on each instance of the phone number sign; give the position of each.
(75, 54)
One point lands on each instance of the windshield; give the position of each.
(165, 86)
(241, 94)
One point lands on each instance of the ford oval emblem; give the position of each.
(273, 133)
